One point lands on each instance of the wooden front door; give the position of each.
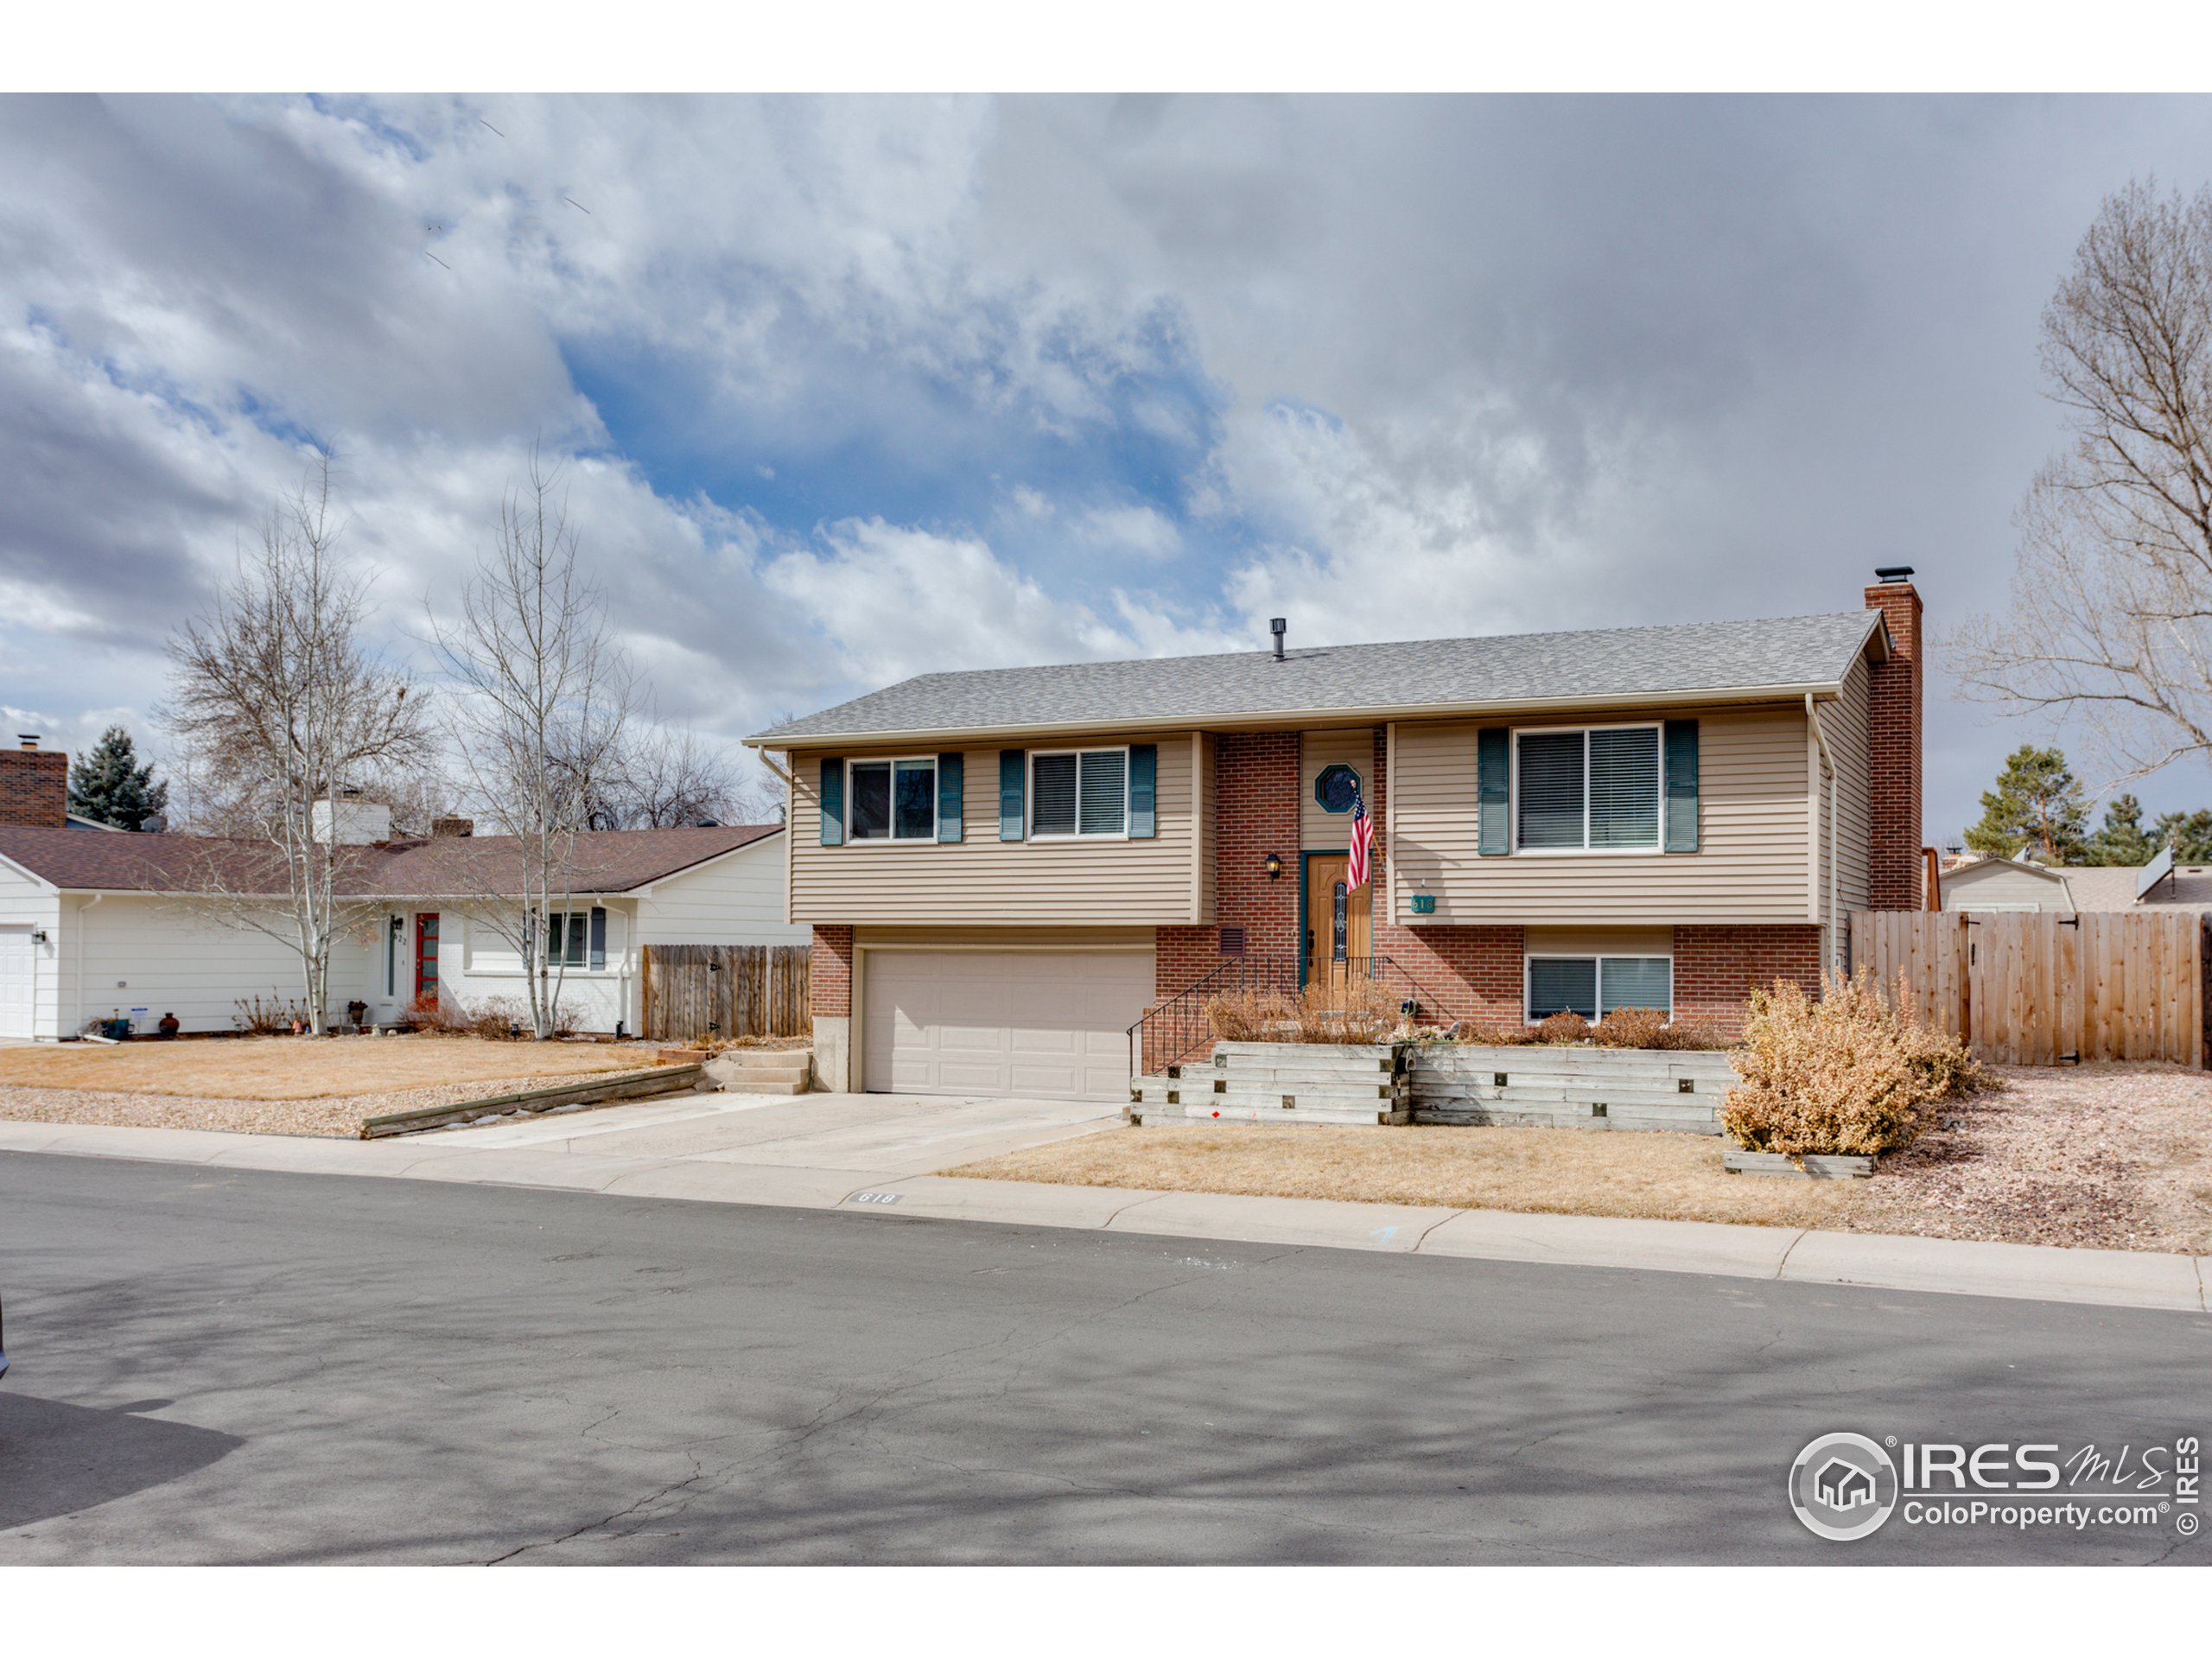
(426, 954)
(1337, 930)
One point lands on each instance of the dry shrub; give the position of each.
(1849, 1074)
(1691, 1035)
(270, 1018)
(1359, 1011)
(1630, 1028)
(1491, 1033)
(1567, 1026)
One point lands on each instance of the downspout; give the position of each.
(83, 906)
(1827, 765)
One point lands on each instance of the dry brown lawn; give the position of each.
(282, 1085)
(2118, 1157)
(299, 1068)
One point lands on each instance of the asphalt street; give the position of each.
(240, 1366)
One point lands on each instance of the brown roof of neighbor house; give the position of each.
(2113, 887)
(608, 861)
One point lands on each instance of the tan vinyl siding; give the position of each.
(1845, 722)
(982, 879)
(1752, 865)
(2001, 885)
(1320, 830)
(1209, 824)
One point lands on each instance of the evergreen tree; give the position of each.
(2189, 834)
(2121, 838)
(2036, 807)
(109, 786)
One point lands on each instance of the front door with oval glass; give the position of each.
(1339, 936)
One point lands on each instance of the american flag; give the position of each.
(1362, 836)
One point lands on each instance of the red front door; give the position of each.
(426, 955)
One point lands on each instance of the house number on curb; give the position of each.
(874, 1198)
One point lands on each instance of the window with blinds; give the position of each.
(1083, 793)
(1587, 790)
(1594, 987)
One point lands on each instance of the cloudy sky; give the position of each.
(845, 391)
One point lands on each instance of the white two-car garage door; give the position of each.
(1051, 1023)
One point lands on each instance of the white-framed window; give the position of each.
(1586, 789)
(577, 938)
(1079, 793)
(890, 800)
(1594, 986)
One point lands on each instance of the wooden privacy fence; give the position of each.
(697, 991)
(2041, 989)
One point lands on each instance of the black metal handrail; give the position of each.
(1177, 1028)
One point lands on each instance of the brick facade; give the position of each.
(1717, 968)
(1897, 874)
(829, 973)
(35, 788)
(1256, 813)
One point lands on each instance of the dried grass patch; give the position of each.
(2113, 1157)
(302, 1068)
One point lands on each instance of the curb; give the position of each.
(2128, 1278)
(628, 1085)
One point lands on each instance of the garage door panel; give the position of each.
(1003, 1023)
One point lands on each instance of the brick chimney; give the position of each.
(453, 827)
(34, 785)
(1897, 878)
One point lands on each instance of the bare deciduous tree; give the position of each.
(275, 699)
(2111, 617)
(658, 779)
(543, 700)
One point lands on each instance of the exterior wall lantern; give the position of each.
(1275, 865)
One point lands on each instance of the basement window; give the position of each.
(1594, 986)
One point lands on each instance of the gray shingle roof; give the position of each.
(1687, 660)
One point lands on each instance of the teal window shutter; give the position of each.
(598, 937)
(1144, 791)
(833, 801)
(1681, 786)
(1493, 791)
(1012, 764)
(951, 793)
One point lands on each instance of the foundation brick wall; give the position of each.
(1897, 879)
(829, 973)
(1717, 968)
(35, 788)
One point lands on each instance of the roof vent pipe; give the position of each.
(1276, 626)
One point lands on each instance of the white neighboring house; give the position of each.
(97, 925)
(2005, 884)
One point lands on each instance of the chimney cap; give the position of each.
(28, 739)
(1893, 572)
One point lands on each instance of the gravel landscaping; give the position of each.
(284, 1085)
(2110, 1155)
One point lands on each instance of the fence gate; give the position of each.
(693, 992)
(2033, 988)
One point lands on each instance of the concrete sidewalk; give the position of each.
(872, 1155)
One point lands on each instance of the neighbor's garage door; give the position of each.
(1051, 1023)
(15, 981)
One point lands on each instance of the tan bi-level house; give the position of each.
(1006, 870)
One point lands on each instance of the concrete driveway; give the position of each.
(871, 1136)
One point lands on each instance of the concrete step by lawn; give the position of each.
(764, 1071)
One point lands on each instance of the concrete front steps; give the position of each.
(764, 1071)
